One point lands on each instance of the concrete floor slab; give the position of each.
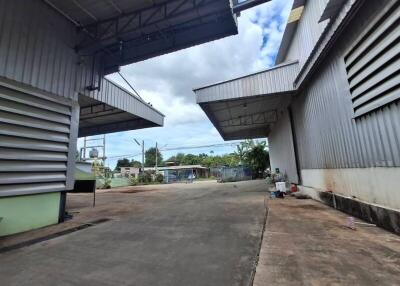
(188, 234)
(308, 243)
(203, 234)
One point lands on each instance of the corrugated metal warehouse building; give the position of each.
(54, 55)
(329, 108)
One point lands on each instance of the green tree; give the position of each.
(206, 160)
(191, 159)
(135, 164)
(258, 158)
(177, 159)
(122, 163)
(243, 148)
(150, 157)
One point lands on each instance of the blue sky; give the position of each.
(167, 83)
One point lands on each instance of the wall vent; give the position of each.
(373, 63)
(37, 143)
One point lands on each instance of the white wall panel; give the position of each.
(281, 148)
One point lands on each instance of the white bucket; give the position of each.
(281, 187)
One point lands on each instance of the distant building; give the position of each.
(130, 172)
(181, 173)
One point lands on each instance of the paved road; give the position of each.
(198, 234)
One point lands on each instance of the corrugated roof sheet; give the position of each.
(272, 80)
(114, 109)
(332, 9)
(247, 107)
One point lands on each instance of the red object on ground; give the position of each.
(293, 189)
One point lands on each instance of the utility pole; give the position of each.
(156, 156)
(104, 154)
(84, 150)
(143, 156)
(137, 142)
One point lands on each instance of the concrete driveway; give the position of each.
(187, 234)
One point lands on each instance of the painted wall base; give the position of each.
(378, 186)
(25, 213)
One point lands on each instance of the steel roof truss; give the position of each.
(126, 23)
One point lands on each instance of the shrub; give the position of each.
(159, 178)
(133, 181)
(145, 178)
(107, 184)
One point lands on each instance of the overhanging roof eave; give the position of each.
(115, 109)
(255, 121)
(281, 65)
(273, 81)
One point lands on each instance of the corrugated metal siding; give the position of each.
(36, 143)
(328, 135)
(36, 47)
(281, 148)
(116, 96)
(275, 80)
(308, 31)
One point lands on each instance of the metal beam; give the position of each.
(83, 9)
(248, 133)
(115, 127)
(247, 5)
(259, 118)
(127, 23)
(115, 6)
(171, 39)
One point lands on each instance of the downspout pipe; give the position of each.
(239, 7)
(295, 146)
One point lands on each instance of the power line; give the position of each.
(127, 82)
(125, 156)
(200, 146)
(179, 148)
(217, 145)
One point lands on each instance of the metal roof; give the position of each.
(247, 107)
(115, 109)
(332, 9)
(127, 31)
(331, 33)
(290, 29)
(272, 80)
(183, 167)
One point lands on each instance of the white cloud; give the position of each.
(177, 110)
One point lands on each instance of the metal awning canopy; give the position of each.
(249, 106)
(128, 31)
(115, 109)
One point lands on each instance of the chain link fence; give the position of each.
(232, 174)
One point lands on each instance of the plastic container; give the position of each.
(281, 187)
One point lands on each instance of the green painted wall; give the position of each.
(24, 213)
